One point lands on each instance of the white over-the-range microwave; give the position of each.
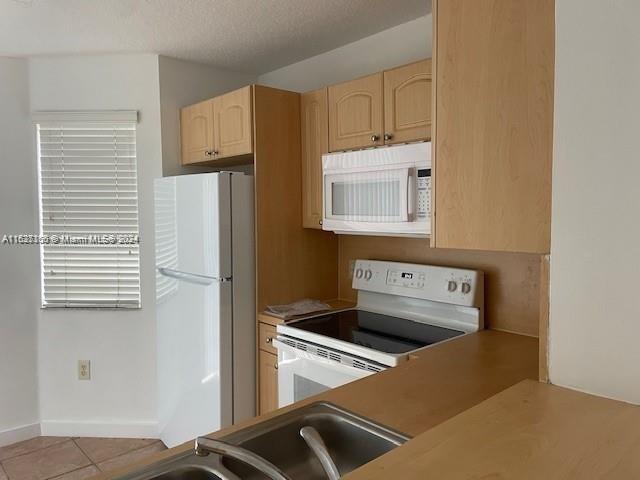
(380, 191)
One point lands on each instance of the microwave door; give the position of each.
(370, 196)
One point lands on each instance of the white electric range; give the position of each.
(401, 308)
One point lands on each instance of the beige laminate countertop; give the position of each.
(530, 431)
(437, 384)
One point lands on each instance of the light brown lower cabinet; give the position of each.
(266, 334)
(268, 372)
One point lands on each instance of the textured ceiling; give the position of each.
(249, 35)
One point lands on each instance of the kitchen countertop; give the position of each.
(434, 386)
(530, 431)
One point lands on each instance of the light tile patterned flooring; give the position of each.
(65, 458)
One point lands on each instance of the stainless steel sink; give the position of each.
(179, 467)
(351, 441)
(191, 473)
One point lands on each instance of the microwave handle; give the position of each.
(412, 195)
(404, 196)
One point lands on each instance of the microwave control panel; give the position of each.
(423, 184)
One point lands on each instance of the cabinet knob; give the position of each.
(388, 136)
(215, 152)
(208, 153)
(275, 365)
(320, 222)
(375, 138)
(269, 339)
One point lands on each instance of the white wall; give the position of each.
(595, 250)
(19, 277)
(183, 83)
(120, 398)
(398, 45)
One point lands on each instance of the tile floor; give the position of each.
(65, 458)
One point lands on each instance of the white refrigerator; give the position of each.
(205, 303)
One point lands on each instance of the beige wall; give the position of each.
(395, 46)
(595, 251)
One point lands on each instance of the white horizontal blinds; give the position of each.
(89, 203)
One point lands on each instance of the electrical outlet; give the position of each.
(84, 369)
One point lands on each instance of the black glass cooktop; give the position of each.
(373, 330)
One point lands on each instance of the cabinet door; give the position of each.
(266, 334)
(407, 103)
(315, 142)
(233, 132)
(494, 64)
(196, 132)
(268, 382)
(355, 113)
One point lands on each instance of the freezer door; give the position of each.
(193, 308)
(193, 224)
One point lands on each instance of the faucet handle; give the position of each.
(204, 446)
(317, 445)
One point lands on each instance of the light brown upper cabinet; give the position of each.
(196, 132)
(388, 107)
(407, 103)
(356, 114)
(217, 128)
(315, 142)
(232, 123)
(494, 67)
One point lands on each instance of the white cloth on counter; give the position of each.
(301, 307)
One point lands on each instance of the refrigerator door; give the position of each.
(193, 307)
(193, 214)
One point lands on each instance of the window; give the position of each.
(88, 209)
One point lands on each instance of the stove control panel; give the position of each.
(439, 284)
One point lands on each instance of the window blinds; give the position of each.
(89, 210)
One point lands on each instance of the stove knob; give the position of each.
(452, 286)
(359, 273)
(368, 274)
(465, 287)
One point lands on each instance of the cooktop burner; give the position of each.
(376, 331)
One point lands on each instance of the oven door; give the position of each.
(303, 374)
(375, 196)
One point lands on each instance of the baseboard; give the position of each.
(60, 428)
(18, 434)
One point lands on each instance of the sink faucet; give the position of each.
(205, 446)
(316, 444)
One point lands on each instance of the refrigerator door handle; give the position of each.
(192, 277)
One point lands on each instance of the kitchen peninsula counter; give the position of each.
(437, 384)
(529, 431)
